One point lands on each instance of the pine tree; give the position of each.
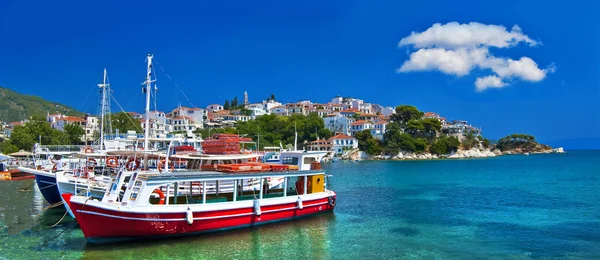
(226, 105)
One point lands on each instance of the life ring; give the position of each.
(132, 164)
(300, 185)
(161, 165)
(112, 162)
(161, 195)
(88, 150)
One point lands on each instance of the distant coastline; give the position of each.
(357, 155)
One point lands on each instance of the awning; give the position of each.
(21, 154)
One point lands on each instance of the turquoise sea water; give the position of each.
(510, 207)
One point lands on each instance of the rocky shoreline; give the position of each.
(460, 154)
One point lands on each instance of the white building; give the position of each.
(270, 104)
(160, 124)
(257, 111)
(196, 115)
(214, 107)
(341, 143)
(92, 125)
(295, 108)
(359, 126)
(378, 129)
(279, 110)
(183, 123)
(338, 123)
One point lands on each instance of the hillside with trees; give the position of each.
(16, 107)
(520, 143)
(37, 129)
(410, 132)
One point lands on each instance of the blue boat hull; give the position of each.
(48, 188)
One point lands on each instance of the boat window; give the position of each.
(135, 190)
(290, 160)
(309, 160)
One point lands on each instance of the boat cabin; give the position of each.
(200, 187)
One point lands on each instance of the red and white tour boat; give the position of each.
(184, 203)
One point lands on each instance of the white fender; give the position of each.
(257, 207)
(299, 202)
(189, 216)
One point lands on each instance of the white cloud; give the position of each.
(457, 49)
(471, 35)
(524, 68)
(491, 81)
(458, 62)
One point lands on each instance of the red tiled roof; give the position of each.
(382, 123)
(341, 136)
(350, 110)
(369, 115)
(361, 122)
(431, 114)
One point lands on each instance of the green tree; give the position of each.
(486, 143)
(234, 103)
(513, 141)
(35, 130)
(226, 106)
(7, 148)
(470, 141)
(415, 127)
(407, 143)
(74, 133)
(125, 122)
(245, 111)
(405, 113)
(273, 97)
(420, 145)
(445, 145)
(431, 127)
(22, 138)
(391, 138)
(438, 147)
(368, 143)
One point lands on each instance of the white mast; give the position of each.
(148, 84)
(103, 87)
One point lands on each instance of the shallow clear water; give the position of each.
(511, 207)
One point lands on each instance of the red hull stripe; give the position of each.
(199, 218)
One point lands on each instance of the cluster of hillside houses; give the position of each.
(342, 116)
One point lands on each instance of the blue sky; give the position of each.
(215, 50)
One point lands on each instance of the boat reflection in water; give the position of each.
(305, 238)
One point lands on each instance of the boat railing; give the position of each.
(65, 148)
(212, 176)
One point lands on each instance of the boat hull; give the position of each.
(48, 188)
(119, 225)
